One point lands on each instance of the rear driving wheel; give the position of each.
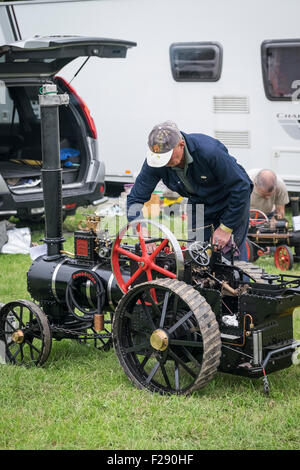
(170, 345)
(283, 258)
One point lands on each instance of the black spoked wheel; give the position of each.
(101, 340)
(25, 330)
(166, 337)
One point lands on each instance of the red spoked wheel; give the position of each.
(145, 261)
(257, 217)
(283, 258)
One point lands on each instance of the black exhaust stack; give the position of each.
(51, 172)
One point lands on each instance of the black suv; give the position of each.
(24, 67)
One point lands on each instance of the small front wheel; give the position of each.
(25, 331)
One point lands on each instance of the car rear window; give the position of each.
(13, 99)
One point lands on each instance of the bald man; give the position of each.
(269, 193)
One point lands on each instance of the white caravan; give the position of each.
(229, 69)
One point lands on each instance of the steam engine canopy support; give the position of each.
(49, 102)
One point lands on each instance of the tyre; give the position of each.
(166, 337)
(283, 258)
(25, 331)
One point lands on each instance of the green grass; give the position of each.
(82, 399)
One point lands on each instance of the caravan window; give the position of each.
(196, 61)
(281, 69)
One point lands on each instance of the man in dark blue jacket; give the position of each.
(199, 168)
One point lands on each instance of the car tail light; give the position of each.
(83, 106)
(101, 188)
(71, 206)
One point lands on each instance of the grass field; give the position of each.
(82, 399)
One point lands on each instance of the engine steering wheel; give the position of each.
(145, 261)
(257, 217)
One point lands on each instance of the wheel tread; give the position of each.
(208, 326)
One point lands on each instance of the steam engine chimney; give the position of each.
(49, 102)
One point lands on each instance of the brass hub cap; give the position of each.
(18, 336)
(159, 340)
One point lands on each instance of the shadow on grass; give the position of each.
(69, 355)
(67, 350)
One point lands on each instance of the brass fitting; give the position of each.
(18, 336)
(98, 321)
(159, 340)
(90, 223)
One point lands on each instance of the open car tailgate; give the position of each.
(44, 56)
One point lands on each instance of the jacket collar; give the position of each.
(189, 142)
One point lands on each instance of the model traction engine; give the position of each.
(175, 316)
(275, 233)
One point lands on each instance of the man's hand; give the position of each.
(220, 238)
(280, 211)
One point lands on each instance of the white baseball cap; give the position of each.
(161, 142)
